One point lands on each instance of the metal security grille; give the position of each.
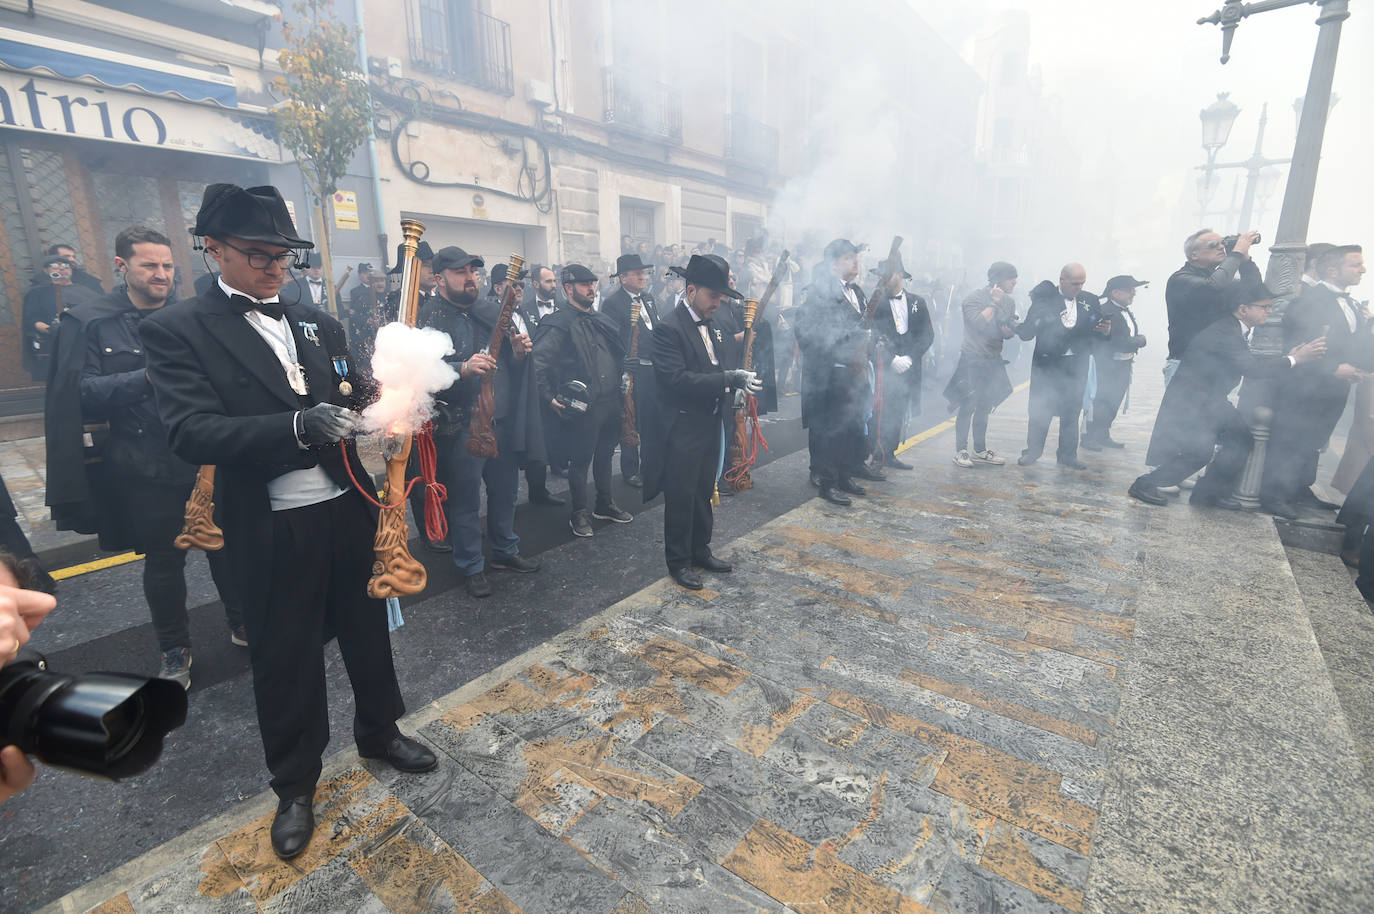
(125, 200)
(52, 198)
(452, 38)
(18, 250)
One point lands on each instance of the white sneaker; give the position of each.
(989, 457)
(962, 459)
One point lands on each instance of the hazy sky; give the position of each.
(1139, 72)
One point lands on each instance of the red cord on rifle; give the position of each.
(756, 440)
(436, 523)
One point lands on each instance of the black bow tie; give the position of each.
(243, 304)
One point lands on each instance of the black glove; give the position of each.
(325, 423)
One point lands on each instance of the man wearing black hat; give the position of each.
(538, 301)
(1062, 320)
(256, 387)
(1113, 358)
(578, 362)
(633, 297)
(834, 346)
(425, 255)
(695, 382)
(904, 332)
(1307, 408)
(1195, 414)
(979, 383)
(456, 310)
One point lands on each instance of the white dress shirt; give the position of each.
(1352, 317)
(901, 311)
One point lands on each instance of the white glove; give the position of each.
(739, 379)
(901, 364)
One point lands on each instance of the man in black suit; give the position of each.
(904, 332)
(261, 389)
(579, 345)
(1062, 320)
(633, 298)
(1307, 408)
(1113, 359)
(834, 349)
(1195, 416)
(695, 382)
(538, 301)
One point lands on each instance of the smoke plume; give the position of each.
(409, 366)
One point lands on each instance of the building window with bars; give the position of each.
(454, 38)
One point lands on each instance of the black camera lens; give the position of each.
(110, 725)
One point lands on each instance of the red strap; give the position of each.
(756, 440)
(436, 523)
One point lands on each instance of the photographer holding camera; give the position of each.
(1196, 294)
(21, 609)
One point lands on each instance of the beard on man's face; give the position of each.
(467, 295)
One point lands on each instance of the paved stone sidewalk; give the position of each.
(905, 706)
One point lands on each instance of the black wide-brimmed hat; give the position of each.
(881, 268)
(423, 253)
(627, 262)
(498, 273)
(709, 271)
(252, 214)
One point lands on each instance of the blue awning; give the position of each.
(151, 76)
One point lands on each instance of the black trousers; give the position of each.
(1113, 380)
(841, 443)
(896, 404)
(1223, 467)
(591, 442)
(321, 561)
(689, 478)
(1302, 427)
(1056, 391)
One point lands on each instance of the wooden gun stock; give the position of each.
(740, 460)
(482, 431)
(198, 530)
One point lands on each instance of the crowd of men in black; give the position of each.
(253, 376)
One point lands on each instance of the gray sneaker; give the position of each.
(176, 666)
(581, 524)
(614, 513)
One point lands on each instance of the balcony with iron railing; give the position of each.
(751, 143)
(642, 107)
(449, 38)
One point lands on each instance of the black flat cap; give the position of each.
(454, 258)
(576, 272)
(842, 246)
(1001, 271)
(1123, 282)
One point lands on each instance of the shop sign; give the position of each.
(346, 210)
(54, 106)
(479, 206)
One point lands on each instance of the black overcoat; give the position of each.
(225, 400)
(830, 333)
(920, 334)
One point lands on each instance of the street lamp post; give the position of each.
(1289, 250)
(1217, 120)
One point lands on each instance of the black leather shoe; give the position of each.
(848, 485)
(835, 498)
(293, 826)
(546, 498)
(1073, 463)
(1091, 446)
(478, 585)
(815, 480)
(896, 463)
(1308, 498)
(432, 546)
(1283, 509)
(1147, 493)
(686, 577)
(1229, 503)
(1026, 460)
(516, 563)
(1113, 444)
(405, 754)
(871, 473)
(713, 565)
(635, 482)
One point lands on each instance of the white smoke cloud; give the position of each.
(409, 366)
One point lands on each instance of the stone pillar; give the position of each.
(1248, 491)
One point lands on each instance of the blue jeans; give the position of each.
(464, 474)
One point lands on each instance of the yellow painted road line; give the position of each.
(112, 561)
(945, 426)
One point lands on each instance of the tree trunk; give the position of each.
(317, 216)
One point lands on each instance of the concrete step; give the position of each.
(1236, 783)
(1344, 627)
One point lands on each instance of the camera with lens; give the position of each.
(573, 395)
(109, 725)
(1229, 242)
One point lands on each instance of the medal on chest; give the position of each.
(295, 376)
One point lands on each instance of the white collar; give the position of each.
(231, 292)
(692, 311)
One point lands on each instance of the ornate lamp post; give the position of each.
(1290, 244)
(1217, 120)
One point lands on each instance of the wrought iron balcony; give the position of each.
(449, 38)
(751, 143)
(641, 106)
